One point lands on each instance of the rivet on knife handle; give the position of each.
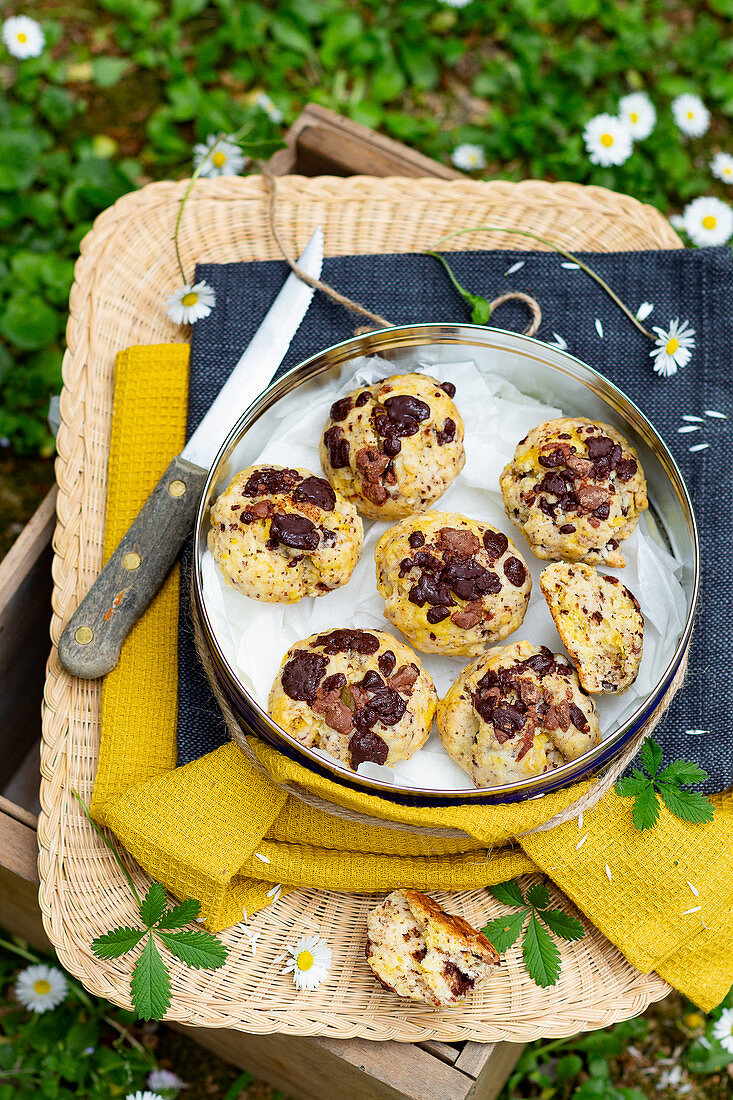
(90, 645)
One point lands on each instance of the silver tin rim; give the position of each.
(461, 335)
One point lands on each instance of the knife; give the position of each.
(90, 643)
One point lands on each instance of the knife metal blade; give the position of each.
(90, 643)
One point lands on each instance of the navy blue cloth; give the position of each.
(693, 285)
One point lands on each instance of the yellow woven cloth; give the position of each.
(197, 828)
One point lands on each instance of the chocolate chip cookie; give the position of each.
(394, 447)
(358, 694)
(281, 534)
(452, 585)
(576, 489)
(515, 712)
(600, 623)
(418, 950)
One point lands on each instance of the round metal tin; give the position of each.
(537, 369)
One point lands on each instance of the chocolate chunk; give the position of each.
(375, 492)
(447, 433)
(545, 506)
(468, 579)
(459, 982)
(603, 510)
(556, 457)
(335, 712)
(426, 560)
(529, 692)
(515, 572)
(550, 720)
(578, 718)
(337, 446)
(553, 483)
(404, 678)
(428, 590)
(591, 497)
(468, 618)
(365, 745)
(416, 539)
(419, 953)
(570, 503)
(362, 399)
(341, 408)
(372, 681)
(626, 468)
(567, 528)
(542, 663)
(509, 718)
(392, 446)
(335, 682)
(449, 388)
(599, 446)
(269, 480)
(295, 531)
(348, 641)
(579, 465)
(597, 617)
(386, 662)
(385, 705)
(460, 542)
(261, 509)
(404, 411)
(495, 543)
(302, 674)
(436, 615)
(371, 463)
(315, 490)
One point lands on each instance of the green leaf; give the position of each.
(200, 950)
(502, 932)
(563, 924)
(567, 1067)
(19, 159)
(651, 756)
(153, 904)
(632, 785)
(150, 986)
(645, 813)
(508, 893)
(538, 896)
(28, 322)
(107, 71)
(689, 805)
(541, 955)
(179, 915)
(118, 942)
(682, 771)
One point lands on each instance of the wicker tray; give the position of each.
(126, 261)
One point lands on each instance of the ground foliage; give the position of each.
(124, 88)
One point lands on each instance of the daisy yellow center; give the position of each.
(607, 140)
(727, 171)
(709, 222)
(42, 987)
(634, 116)
(690, 114)
(219, 160)
(694, 1019)
(304, 960)
(190, 299)
(672, 345)
(22, 36)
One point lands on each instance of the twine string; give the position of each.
(599, 786)
(270, 181)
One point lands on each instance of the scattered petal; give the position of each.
(608, 873)
(559, 342)
(259, 855)
(515, 267)
(599, 328)
(581, 842)
(580, 821)
(643, 311)
(695, 909)
(694, 889)
(271, 893)
(689, 428)
(697, 733)
(571, 267)
(688, 416)
(698, 447)
(717, 415)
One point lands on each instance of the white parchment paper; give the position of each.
(254, 636)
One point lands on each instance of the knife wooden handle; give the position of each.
(91, 642)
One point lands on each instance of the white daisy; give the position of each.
(723, 1030)
(722, 166)
(672, 348)
(265, 104)
(191, 303)
(677, 221)
(467, 157)
(309, 963)
(147, 1095)
(691, 114)
(637, 112)
(222, 157)
(162, 1080)
(708, 221)
(456, 3)
(607, 140)
(41, 987)
(23, 37)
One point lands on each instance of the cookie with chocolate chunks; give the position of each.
(575, 489)
(515, 712)
(278, 534)
(359, 695)
(452, 585)
(393, 448)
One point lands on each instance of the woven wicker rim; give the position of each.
(126, 263)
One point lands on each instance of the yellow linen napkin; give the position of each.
(197, 828)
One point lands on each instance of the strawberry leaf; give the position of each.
(563, 924)
(645, 813)
(689, 805)
(118, 942)
(508, 893)
(682, 771)
(541, 955)
(502, 932)
(179, 915)
(538, 896)
(200, 950)
(651, 756)
(153, 904)
(150, 986)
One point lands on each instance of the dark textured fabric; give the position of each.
(696, 286)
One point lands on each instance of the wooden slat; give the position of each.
(447, 1052)
(19, 912)
(495, 1069)
(25, 614)
(320, 142)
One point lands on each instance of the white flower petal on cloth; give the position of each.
(599, 328)
(644, 310)
(515, 267)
